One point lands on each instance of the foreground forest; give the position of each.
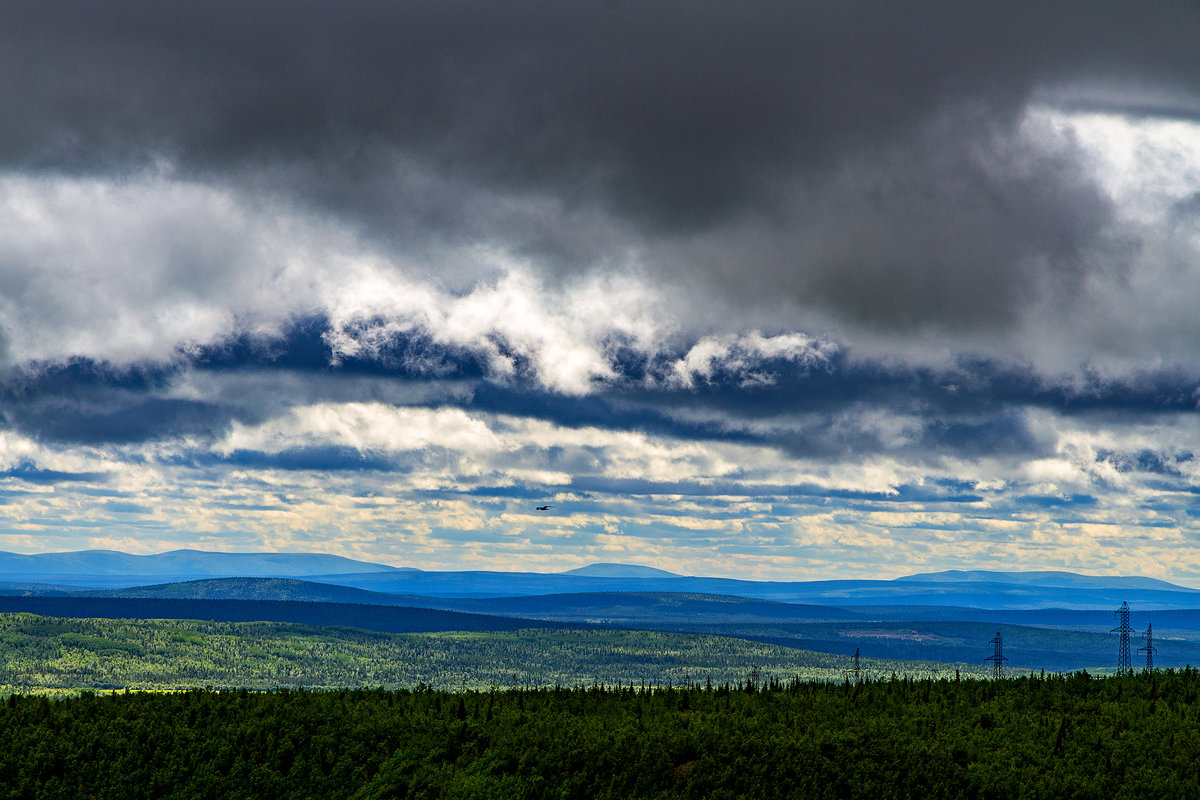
(1034, 737)
(57, 655)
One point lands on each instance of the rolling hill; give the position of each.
(599, 607)
(54, 654)
(608, 570)
(387, 619)
(1027, 647)
(286, 589)
(1045, 579)
(977, 589)
(1051, 639)
(100, 568)
(1102, 593)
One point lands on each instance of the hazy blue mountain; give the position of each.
(37, 589)
(642, 608)
(988, 595)
(1048, 638)
(290, 589)
(975, 589)
(1058, 579)
(656, 608)
(109, 568)
(603, 607)
(611, 570)
(501, 584)
(388, 619)
(1027, 646)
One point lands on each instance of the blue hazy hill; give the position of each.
(1069, 580)
(1045, 638)
(386, 619)
(611, 570)
(249, 588)
(652, 608)
(974, 589)
(113, 568)
(1052, 639)
(1096, 592)
(602, 607)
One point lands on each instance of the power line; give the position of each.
(1149, 649)
(1123, 663)
(997, 658)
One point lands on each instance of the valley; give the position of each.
(927, 634)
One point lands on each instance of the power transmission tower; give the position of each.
(857, 667)
(1149, 649)
(997, 657)
(1123, 664)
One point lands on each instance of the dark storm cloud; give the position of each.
(94, 403)
(867, 154)
(1149, 461)
(121, 420)
(958, 225)
(30, 473)
(303, 345)
(668, 97)
(85, 401)
(325, 459)
(825, 411)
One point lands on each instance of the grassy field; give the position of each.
(51, 655)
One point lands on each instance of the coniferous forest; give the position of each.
(1074, 736)
(52, 655)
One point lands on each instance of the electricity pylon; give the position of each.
(1123, 665)
(1149, 649)
(997, 658)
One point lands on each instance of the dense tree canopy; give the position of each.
(1036, 737)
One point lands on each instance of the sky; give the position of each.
(780, 290)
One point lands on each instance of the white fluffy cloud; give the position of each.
(701, 506)
(152, 264)
(563, 332)
(1135, 311)
(138, 268)
(742, 356)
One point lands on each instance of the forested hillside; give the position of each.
(1055, 737)
(48, 654)
(390, 619)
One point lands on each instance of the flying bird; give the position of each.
(544, 508)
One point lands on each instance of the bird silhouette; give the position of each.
(544, 508)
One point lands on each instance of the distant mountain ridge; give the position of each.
(98, 569)
(250, 588)
(624, 607)
(1046, 578)
(174, 565)
(1096, 593)
(1055, 639)
(611, 570)
(576, 607)
(388, 619)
